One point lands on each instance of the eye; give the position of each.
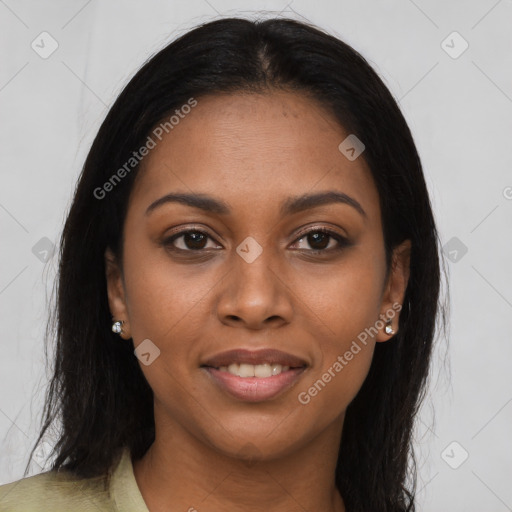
(195, 240)
(192, 240)
(320, 240)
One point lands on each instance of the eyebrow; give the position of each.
(289, 206)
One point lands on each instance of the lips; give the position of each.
(254, 357)
(254, 389)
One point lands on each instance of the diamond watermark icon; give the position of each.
(43, 249)
(351, 147)
(250, 453)
(249, 249)
(455, 249)
(147, 352)
(44, 45)
(41, 453)
(454, 45)
(454, 455)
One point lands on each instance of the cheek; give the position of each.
(160, 293)
(327, 393)
(345, 298)
(346, 307)
(171, 305)
(344, 349)
(165, 302)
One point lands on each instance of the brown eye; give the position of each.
(320, 241)
(192, 240)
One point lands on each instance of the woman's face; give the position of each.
(250, 267)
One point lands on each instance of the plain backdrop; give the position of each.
(450, 66)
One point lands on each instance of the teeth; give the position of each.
(262, 370)
(251, 370)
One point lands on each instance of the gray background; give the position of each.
(459, 108)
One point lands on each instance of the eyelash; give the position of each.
(342, 241)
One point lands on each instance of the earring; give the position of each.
(117, 326)
(388, 329)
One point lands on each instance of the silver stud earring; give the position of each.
(117, 326)
(388, 329)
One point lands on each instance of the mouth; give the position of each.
(254, 376)
(261, 371)
(254, 360)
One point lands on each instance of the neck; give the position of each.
(179, 472)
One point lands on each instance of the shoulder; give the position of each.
(55, 491)
(62, 491)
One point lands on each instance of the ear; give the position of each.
(394, 290)
(116, 293)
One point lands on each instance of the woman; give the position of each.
(248, 287)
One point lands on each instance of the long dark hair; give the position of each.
(98, 390)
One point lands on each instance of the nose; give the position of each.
(255, 295)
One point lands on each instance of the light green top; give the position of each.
(62, 492)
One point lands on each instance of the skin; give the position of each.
(251, 151)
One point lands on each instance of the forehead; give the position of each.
(252, 150)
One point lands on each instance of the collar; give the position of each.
(125, 491)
